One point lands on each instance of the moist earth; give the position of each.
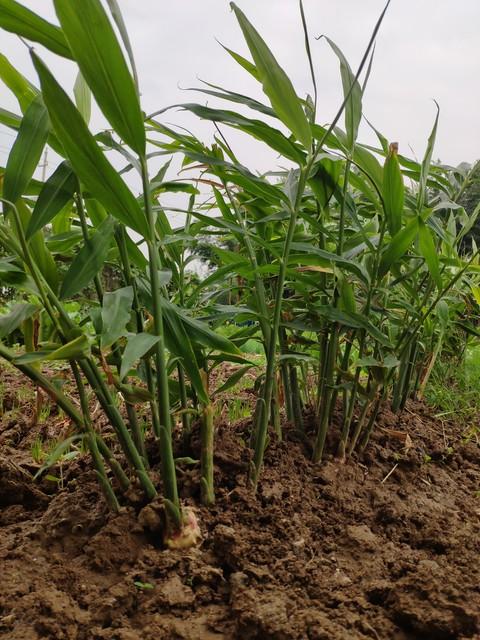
(384, 546)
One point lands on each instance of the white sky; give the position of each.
(426, 49)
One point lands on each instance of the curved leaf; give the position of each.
(89, 260)
(16, 18)
(55, 194)
(393, 191)
(21, 88)
(11, 321)
(428, 250)
(352, 89)
(137, 346)
(116, 309)
(92, 40)
(276, 84)
(398, 246)
(26, 151)
(87, 160)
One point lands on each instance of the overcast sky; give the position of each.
(427, 49)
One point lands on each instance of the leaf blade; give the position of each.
(275, 82)
(92, 40)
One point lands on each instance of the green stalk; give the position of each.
(207, 440)
(130, 281)
(366, 313)
(92, 442)
(275, 411)
(186, 423)
(165, 435)
(262, 427)
(296, 399)
(373, 417)
(97, 383)
(186, 418)
(113, 463)
(259, 289)
(326, 395)
(407, 387)
(86, 238)
(131, 412)
(342, 445)
(363, 414)
(136, 431)
(64, 403)
(88, 367)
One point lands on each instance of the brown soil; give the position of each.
(339, 551)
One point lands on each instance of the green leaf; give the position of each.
(324, 179)
(63, 243)
(293, 356)
(97, 51)
(347, 297)
(88, 161)
(353, 106)
(133, 394)
(200, 332)
(369, 165)
(37, 248)
(398, 246)
(83, 97)
(353, 266)
(77, 348)
(21, 88)
(352, 320)
(389, 362)
(88, 261)
(137, 346)
(11, 321)
(26, 151)
(179, 343)
(10, 119)
(442, 312)
(393, 191)
(56, 454)
(256, 128)
(232, 380)
(117, 16)
(243, 62)
(425, 169)
(231, 96)
(428, 250)
(275, 82)
(116, 308)
(17, 19)
(55, 194)
(143, 585)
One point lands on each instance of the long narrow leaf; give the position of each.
(275, 82)
(56, 192)
(87, 159)
(26, 151)
(393, 191)
(88, 261)
(99, 56)
(16, 18)
(116, 309)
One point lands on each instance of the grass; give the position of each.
(454, 391)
